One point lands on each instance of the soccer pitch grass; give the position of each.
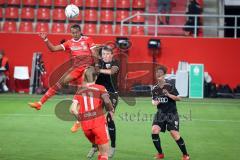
(210, 128)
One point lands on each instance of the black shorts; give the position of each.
(169, 121)
(114, 99)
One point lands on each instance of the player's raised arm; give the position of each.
(49, 44)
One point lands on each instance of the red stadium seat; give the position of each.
(58, 28)
(15, 3)
(42, 27)
(43, 14)
(138, 4)
(45, 3)
(138, 19)
(89, 28)
(1, 14)
(137, 30)
(91, 15)
(78, 3)
(121, 14)
(91, 4)
(27, 14)
(26, 27)
(107, 16)
(123, 4)
(59, 15)
(2, 3)
(60, 3)
(29, 3)
(106, 29)
(10, 26)
(107, 4)
(118, 30)
(11, 13)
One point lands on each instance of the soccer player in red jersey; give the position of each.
(88, 107)
(82, 50)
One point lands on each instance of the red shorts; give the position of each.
(97, 135)
(77, 74)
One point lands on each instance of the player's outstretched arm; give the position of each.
(49, 44)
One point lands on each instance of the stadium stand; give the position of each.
(13, 3)
(60, 3)
(26, 27)
(102, 16)
(9, 26)
(107, 4)
(29, 3)
(11, 13)
(58, 28)
(42, 27)
(45, 3)
(27, 14)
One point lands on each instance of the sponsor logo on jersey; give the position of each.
(163, 100)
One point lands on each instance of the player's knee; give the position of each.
(156, 129)
(175, 135)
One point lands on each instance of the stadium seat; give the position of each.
(43, 14)
(1, 14)
(59, 15)
(107, 16)
(11, 13)
(13, 3)
(2, 3)
(90, 28)
(58, 28)
(9, 26)
(91, 15)
(27, 14)
(121, 14)
(138, 19)
(21, 79)
(118, 30)
(78, 3)
(42, 27)
(26, 27)
(45, 3)
(138, 5)
(92, 4)
(60, 3)
(29, 3)
(107, 4)
(106, 29)
(123, 4)
(137, 30)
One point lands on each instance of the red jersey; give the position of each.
(91, 106)
(79, 47)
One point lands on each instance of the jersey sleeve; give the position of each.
(154, 93)
(90, 42)
(66, 45)
(103, 91)
(175, 91)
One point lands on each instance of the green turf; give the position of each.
(210, 128)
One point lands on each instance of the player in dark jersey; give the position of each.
(107, 77)
(166, 116)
